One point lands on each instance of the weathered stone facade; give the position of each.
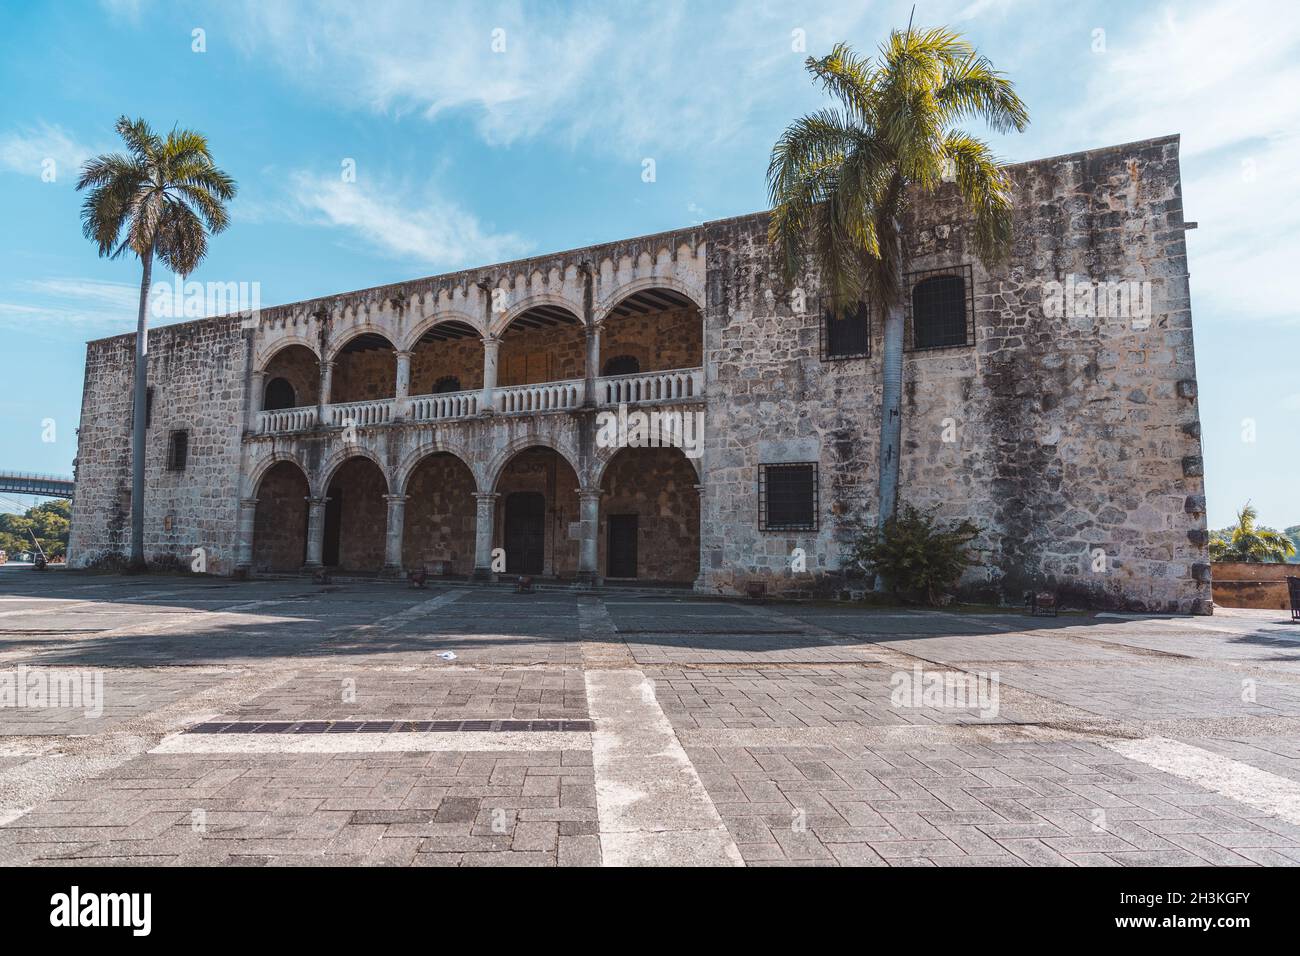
(1072, 440)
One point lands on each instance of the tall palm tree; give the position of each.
(840, 180)
(160, 199)
(1247, 542)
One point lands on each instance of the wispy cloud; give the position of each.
(44, 150)
(94, 303)
(1212, 73)
(632, 81)
(423, 227)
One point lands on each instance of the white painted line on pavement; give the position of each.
(1261, 789)
(652, 806)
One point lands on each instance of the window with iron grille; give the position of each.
(787, 497)
(845, 330)
(178, 450)
(941, 310)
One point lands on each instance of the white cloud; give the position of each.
(30, 150)
(426, 228)
(631, 81)
(1216, 75)
(95, 303)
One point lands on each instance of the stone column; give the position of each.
(593, 364)
(315, 532)
(403, 386)
(491, 345)
(244, 547)
(701, 578)
(589, 544)
(393, 536)
(256, 393)
(326, 378)
(485, 516)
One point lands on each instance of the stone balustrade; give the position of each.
(544, 397)
(675, 384)
(671, 385)
(286, 419)
(361, 414)
(433, 408)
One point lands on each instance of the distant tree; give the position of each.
(1247, 542)
(50, 522)
(1293, 533)
(160, 200)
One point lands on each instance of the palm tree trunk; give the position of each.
(891, 410)
(141, 411)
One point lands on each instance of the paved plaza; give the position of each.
(184, 720)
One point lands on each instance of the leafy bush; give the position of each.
(917, 558)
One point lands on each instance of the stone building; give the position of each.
(454, 422)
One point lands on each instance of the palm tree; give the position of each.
(1246, 542)
(840, 180)
(155, 201)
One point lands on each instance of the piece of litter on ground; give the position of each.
(448, 655)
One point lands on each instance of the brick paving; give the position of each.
(786, 716)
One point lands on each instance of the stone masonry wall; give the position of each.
(196, 372)
(1073, 442)
(658, 486)
(658, 340)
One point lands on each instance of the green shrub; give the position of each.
(917, 558)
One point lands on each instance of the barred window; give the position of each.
(178, 450)
(846, 331)
(787, 497)
(941, 311)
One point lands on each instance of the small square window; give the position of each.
(787, 497)
(178, 450)
(845, 330)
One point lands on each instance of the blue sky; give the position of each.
(466, 154)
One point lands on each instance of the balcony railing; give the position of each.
(361, 414)
(675, 384)
(434, 408)
(287, 419)
(544, 397)
(672, 385)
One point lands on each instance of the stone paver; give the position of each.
(724, 732)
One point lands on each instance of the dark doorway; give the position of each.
(621, 549)
(333, 521)
(279, 394)
(525, 532)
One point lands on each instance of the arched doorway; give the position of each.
(650, 517)
(653, 330)
(536, 507)
(543, 344)
(356, 517)
(440, 515)
(448, 357)
(292, 378)
(280, 519)
(365, 370)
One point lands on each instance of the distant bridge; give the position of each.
(47, 486)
